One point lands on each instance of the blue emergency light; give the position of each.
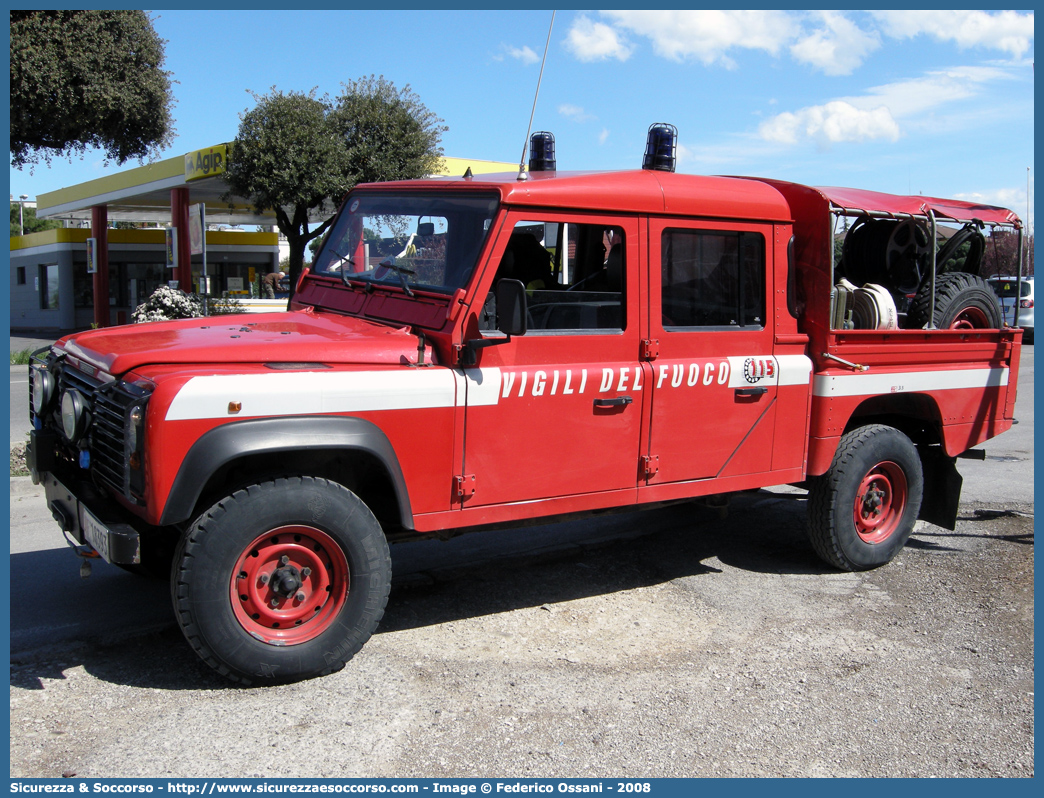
(542, 152)
(661, 147)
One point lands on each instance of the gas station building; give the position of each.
(52, 288)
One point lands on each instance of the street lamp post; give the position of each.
(22, 198)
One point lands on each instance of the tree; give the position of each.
(296, 153)
(390, 134)
(1002, 254)
(84, 79)
(29, 223)
(288, 158)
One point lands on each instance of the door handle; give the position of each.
(751, 391)
(615, 402)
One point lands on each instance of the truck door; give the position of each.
(557, 412)
(714, 379)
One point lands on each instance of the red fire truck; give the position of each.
(481, 351)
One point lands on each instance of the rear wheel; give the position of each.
(282, 581)
(862, 511)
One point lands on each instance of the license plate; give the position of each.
(96, 533)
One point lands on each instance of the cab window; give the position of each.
(573, 274)
(712, 279)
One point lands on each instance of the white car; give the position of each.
(1007, 289)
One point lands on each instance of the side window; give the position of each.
(573, 274)
(712, 279)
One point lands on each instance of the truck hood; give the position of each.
(285, 337)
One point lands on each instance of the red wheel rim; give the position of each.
(880, 502)
(970, 319)
(289, 585)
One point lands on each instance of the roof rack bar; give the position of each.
(931, 217)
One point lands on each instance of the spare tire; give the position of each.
(962, 302)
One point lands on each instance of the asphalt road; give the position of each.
(624, 644)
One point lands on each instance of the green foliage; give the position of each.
(287, 154)
(390, 134)
(957, 261)
(84, 79)
(224, 305)
(30, 224)
(296, 153)
(21, 358)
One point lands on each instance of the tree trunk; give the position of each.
(297, 236)
(297, 242)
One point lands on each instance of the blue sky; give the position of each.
(936, 102)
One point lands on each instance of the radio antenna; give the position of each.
(522, 161)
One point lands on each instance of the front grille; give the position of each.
(109, 403)
(108, 449)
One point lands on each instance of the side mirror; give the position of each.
(426, 228)
(511, 307)
(511, 319)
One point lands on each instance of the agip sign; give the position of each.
(206, 163)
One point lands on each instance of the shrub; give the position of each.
(166, 304)
(21, 358)
(224, 305)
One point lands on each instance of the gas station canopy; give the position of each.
(143, 194)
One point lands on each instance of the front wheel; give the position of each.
(282, 581)
(862, 511)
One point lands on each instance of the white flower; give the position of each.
(166, 304)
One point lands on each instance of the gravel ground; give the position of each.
(691, 646)
(18, 464)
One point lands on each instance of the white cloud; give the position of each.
(575, 112)
(523, 54)
(836, 48)
(912, 98)
(832, 123)
(596, 41)
(603, 136)
(829, 41)
(1012, 198)
(878, 113)
(1008, 31)
(707, 35)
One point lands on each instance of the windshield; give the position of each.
(426, 240)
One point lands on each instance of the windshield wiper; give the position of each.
(343, 260)
(402, 271)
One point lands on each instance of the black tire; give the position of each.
(962, 302)
(862, 511)
(329, 592)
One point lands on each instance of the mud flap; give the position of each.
(942, 487)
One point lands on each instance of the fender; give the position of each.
(281, 434)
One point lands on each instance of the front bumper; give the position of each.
(89, 522)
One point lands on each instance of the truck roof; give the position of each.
(634, 191)
(752, 198)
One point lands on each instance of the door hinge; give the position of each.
(650, 348)
(649, 464)
(464, 486)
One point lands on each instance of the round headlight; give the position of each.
(43, 390)
(75, 415)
